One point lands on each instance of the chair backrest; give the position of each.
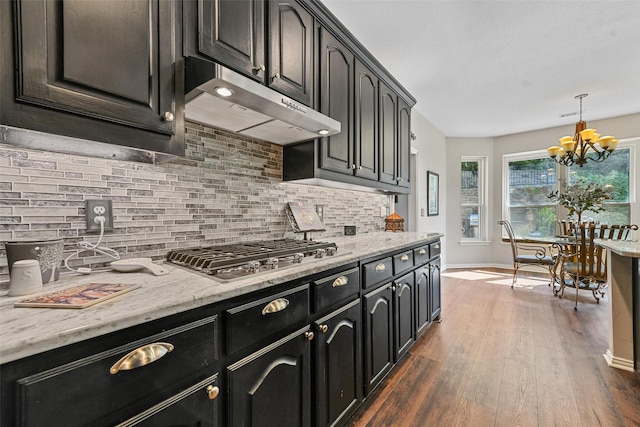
(616, 231)
(512, 237)
(591, 259)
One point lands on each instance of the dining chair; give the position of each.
(582, 263)
(534, 254)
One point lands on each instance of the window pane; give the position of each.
(613, 171)
(533, 221)
(470, 222)
(531, 182)
(470, 192)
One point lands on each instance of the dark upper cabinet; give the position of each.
(388, 135)
(336, 101)
(291, 50)
(231, 32)
(93, 69)
(366, 123)
(271, 42)
(404, 143)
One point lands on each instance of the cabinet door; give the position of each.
(378, 336)
(423, 306)
(272, 386)
(291, 50)
(434, 285)
(336, 101)
(112, 61)
(388, 135)
(232, 33)
(404, 306)
(366, 123)
(338, 365)
(404, 143)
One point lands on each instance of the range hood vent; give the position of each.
(249, 108)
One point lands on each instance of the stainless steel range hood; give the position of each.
(250, 108)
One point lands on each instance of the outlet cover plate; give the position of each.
(91, 214)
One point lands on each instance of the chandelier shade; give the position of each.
(586, 144)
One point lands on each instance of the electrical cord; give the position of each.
(86, 246)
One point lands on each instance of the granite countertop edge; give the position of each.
(629, 248)
(28, 331)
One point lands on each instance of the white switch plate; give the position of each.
(383, 211)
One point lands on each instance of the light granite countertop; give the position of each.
(629, 248)
(28, 331)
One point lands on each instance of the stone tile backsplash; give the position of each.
(226, 188)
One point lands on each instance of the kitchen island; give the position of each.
(624, 309)
(334, 328)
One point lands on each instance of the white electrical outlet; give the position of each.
(383, 211)
(98, 213)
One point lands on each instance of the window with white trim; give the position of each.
(529, 178)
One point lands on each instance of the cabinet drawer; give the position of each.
(402, 262)
(251, 322)
(377, 272)
(336, 288)
(91, 391)
(421, 255)
(434, 249)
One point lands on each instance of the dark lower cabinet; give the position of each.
(338, 365)
(434, 286)
(272, 386)
(403, 309)
(378, 336)
(423, 299)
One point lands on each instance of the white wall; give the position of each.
(497, 253)
(430, 156)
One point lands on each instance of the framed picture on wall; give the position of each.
(433, 193)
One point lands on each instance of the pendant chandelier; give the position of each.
(585, 145)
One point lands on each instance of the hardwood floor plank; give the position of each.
(470, 413)
(518, 397)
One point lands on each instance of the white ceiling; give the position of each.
(490, 68)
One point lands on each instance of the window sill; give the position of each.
(474, 243)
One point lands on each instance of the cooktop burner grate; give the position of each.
(212, 258)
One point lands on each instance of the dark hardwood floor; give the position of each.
(507, 357)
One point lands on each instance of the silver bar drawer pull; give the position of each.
(142, 356)
(340, 281)
(380, 267)
(422, 252)
(404, 257)
(275, 306)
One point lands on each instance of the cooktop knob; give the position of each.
(320, 253)
(298, 257)
(331, 251)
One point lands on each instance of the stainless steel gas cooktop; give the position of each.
(228, 262)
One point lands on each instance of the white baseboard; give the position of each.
(618, 362)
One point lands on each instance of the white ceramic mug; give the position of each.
(25, 278)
